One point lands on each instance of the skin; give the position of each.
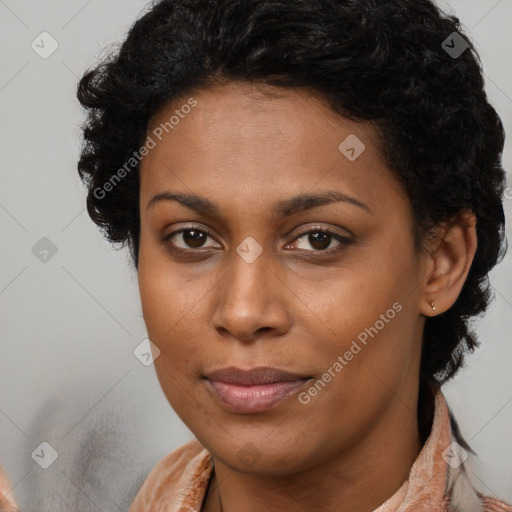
(352, 446)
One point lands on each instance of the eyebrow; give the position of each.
(283, 208)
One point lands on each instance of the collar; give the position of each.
(425, 487)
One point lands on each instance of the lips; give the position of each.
(255, 390)
(261, 375)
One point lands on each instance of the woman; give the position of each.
(311, 194)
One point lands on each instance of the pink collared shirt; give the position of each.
(178, 483)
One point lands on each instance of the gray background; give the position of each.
(69, 325)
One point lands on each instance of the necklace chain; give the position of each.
(218, 491)
(220, 502)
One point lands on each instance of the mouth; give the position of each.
(255, 390)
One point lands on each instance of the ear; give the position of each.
(450, 256)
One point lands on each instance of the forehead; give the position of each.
(282, 119)
(242, 141)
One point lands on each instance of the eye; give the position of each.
(190, 238)
(320, 239)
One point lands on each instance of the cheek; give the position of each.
(161, 312)
(347, 300)
(366, 313)
(172, 328)
(171, 306)
(160, 290)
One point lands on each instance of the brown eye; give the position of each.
(190, 238)
(194, 238)
(321, 240)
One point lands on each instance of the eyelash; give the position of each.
(343, 240)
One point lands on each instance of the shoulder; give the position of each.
(179, 479)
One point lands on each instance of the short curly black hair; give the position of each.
(404, 65)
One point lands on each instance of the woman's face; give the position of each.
(303, 261)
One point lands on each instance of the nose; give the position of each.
(251, 299)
